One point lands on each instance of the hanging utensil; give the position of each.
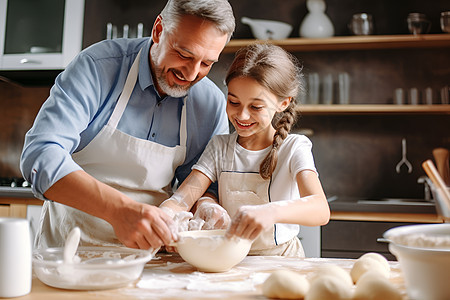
(404, 159)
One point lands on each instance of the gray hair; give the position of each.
(218, 12)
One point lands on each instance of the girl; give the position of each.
(267, 179)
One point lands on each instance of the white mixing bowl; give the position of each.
(423, 252)
(268, 29)
(210, 250)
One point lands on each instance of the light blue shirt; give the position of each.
(84, 96)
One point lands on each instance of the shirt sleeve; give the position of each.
(301, 155)
(55, 134)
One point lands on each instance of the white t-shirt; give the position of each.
(294, 156)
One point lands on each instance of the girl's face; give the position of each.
(251, 107)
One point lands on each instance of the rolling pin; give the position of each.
(442, 164)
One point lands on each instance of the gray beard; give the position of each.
(175, 91)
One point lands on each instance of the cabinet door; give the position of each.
(351, 239)
(44, 34)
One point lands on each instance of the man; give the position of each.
(124, 120)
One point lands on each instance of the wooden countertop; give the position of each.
(167, 276)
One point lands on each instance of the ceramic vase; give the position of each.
(316, 23)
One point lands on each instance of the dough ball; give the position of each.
(373, 286)
(330, 288)
(331, 270)
(364, 264)
(285, 284)
(378, 257)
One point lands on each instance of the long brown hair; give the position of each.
(278, 71)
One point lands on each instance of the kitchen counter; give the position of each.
(167, 276)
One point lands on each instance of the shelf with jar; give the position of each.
(351, 42)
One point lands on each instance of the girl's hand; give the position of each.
(214, 215)
(251, 220)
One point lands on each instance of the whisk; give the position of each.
(404, 159)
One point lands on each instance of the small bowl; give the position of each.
(98, 267)
(267, 29)
(425, 267)
(210, 250)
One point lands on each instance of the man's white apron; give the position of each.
(141, 169)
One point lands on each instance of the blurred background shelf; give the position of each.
(373, 109)
(351, 42)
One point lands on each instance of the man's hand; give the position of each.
(143, 226)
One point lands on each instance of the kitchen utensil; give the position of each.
(413, 96)
(313, 88)
(98, 268)
(445, 21)
(404, 160)
(15, 257)
(361, 24)
(442, 205)
(316, 23)
(441, 157)
(418, 23)
(267, 29)
(71, 245)
(428, 96)
(344, 88)
(436, 179)
(399, 96)
(210, 250)
(328, 89)
(425, 267)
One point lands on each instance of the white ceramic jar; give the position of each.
(15, 257)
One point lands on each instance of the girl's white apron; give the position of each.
(141, 169)
(237, 189)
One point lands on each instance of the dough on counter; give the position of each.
(329, 287)
(378, 257)
(365, 264)
(331, 270)
(285, 284)
(372, 286)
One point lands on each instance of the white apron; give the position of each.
(141, 169)
(237, 189)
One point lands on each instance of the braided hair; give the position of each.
(278, 71)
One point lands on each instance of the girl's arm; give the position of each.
(311, 209)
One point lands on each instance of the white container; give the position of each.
(211, 251)
(316, 23)
(15, 257)
(268, 29)
(426, 269)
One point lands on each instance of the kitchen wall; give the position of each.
(355, 155)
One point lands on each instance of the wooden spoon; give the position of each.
(442, 163)
(431, 171)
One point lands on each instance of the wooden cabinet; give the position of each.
(351, 239)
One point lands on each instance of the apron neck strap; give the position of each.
(130, 82)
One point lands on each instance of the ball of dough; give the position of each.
(372, 286)
(330, 288)
(378, 257)
(285, 284)
(362, 265)
(331, 270)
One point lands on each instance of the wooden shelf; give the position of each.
(351, 42)
(373, 109)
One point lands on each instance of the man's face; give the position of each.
(182, 57)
